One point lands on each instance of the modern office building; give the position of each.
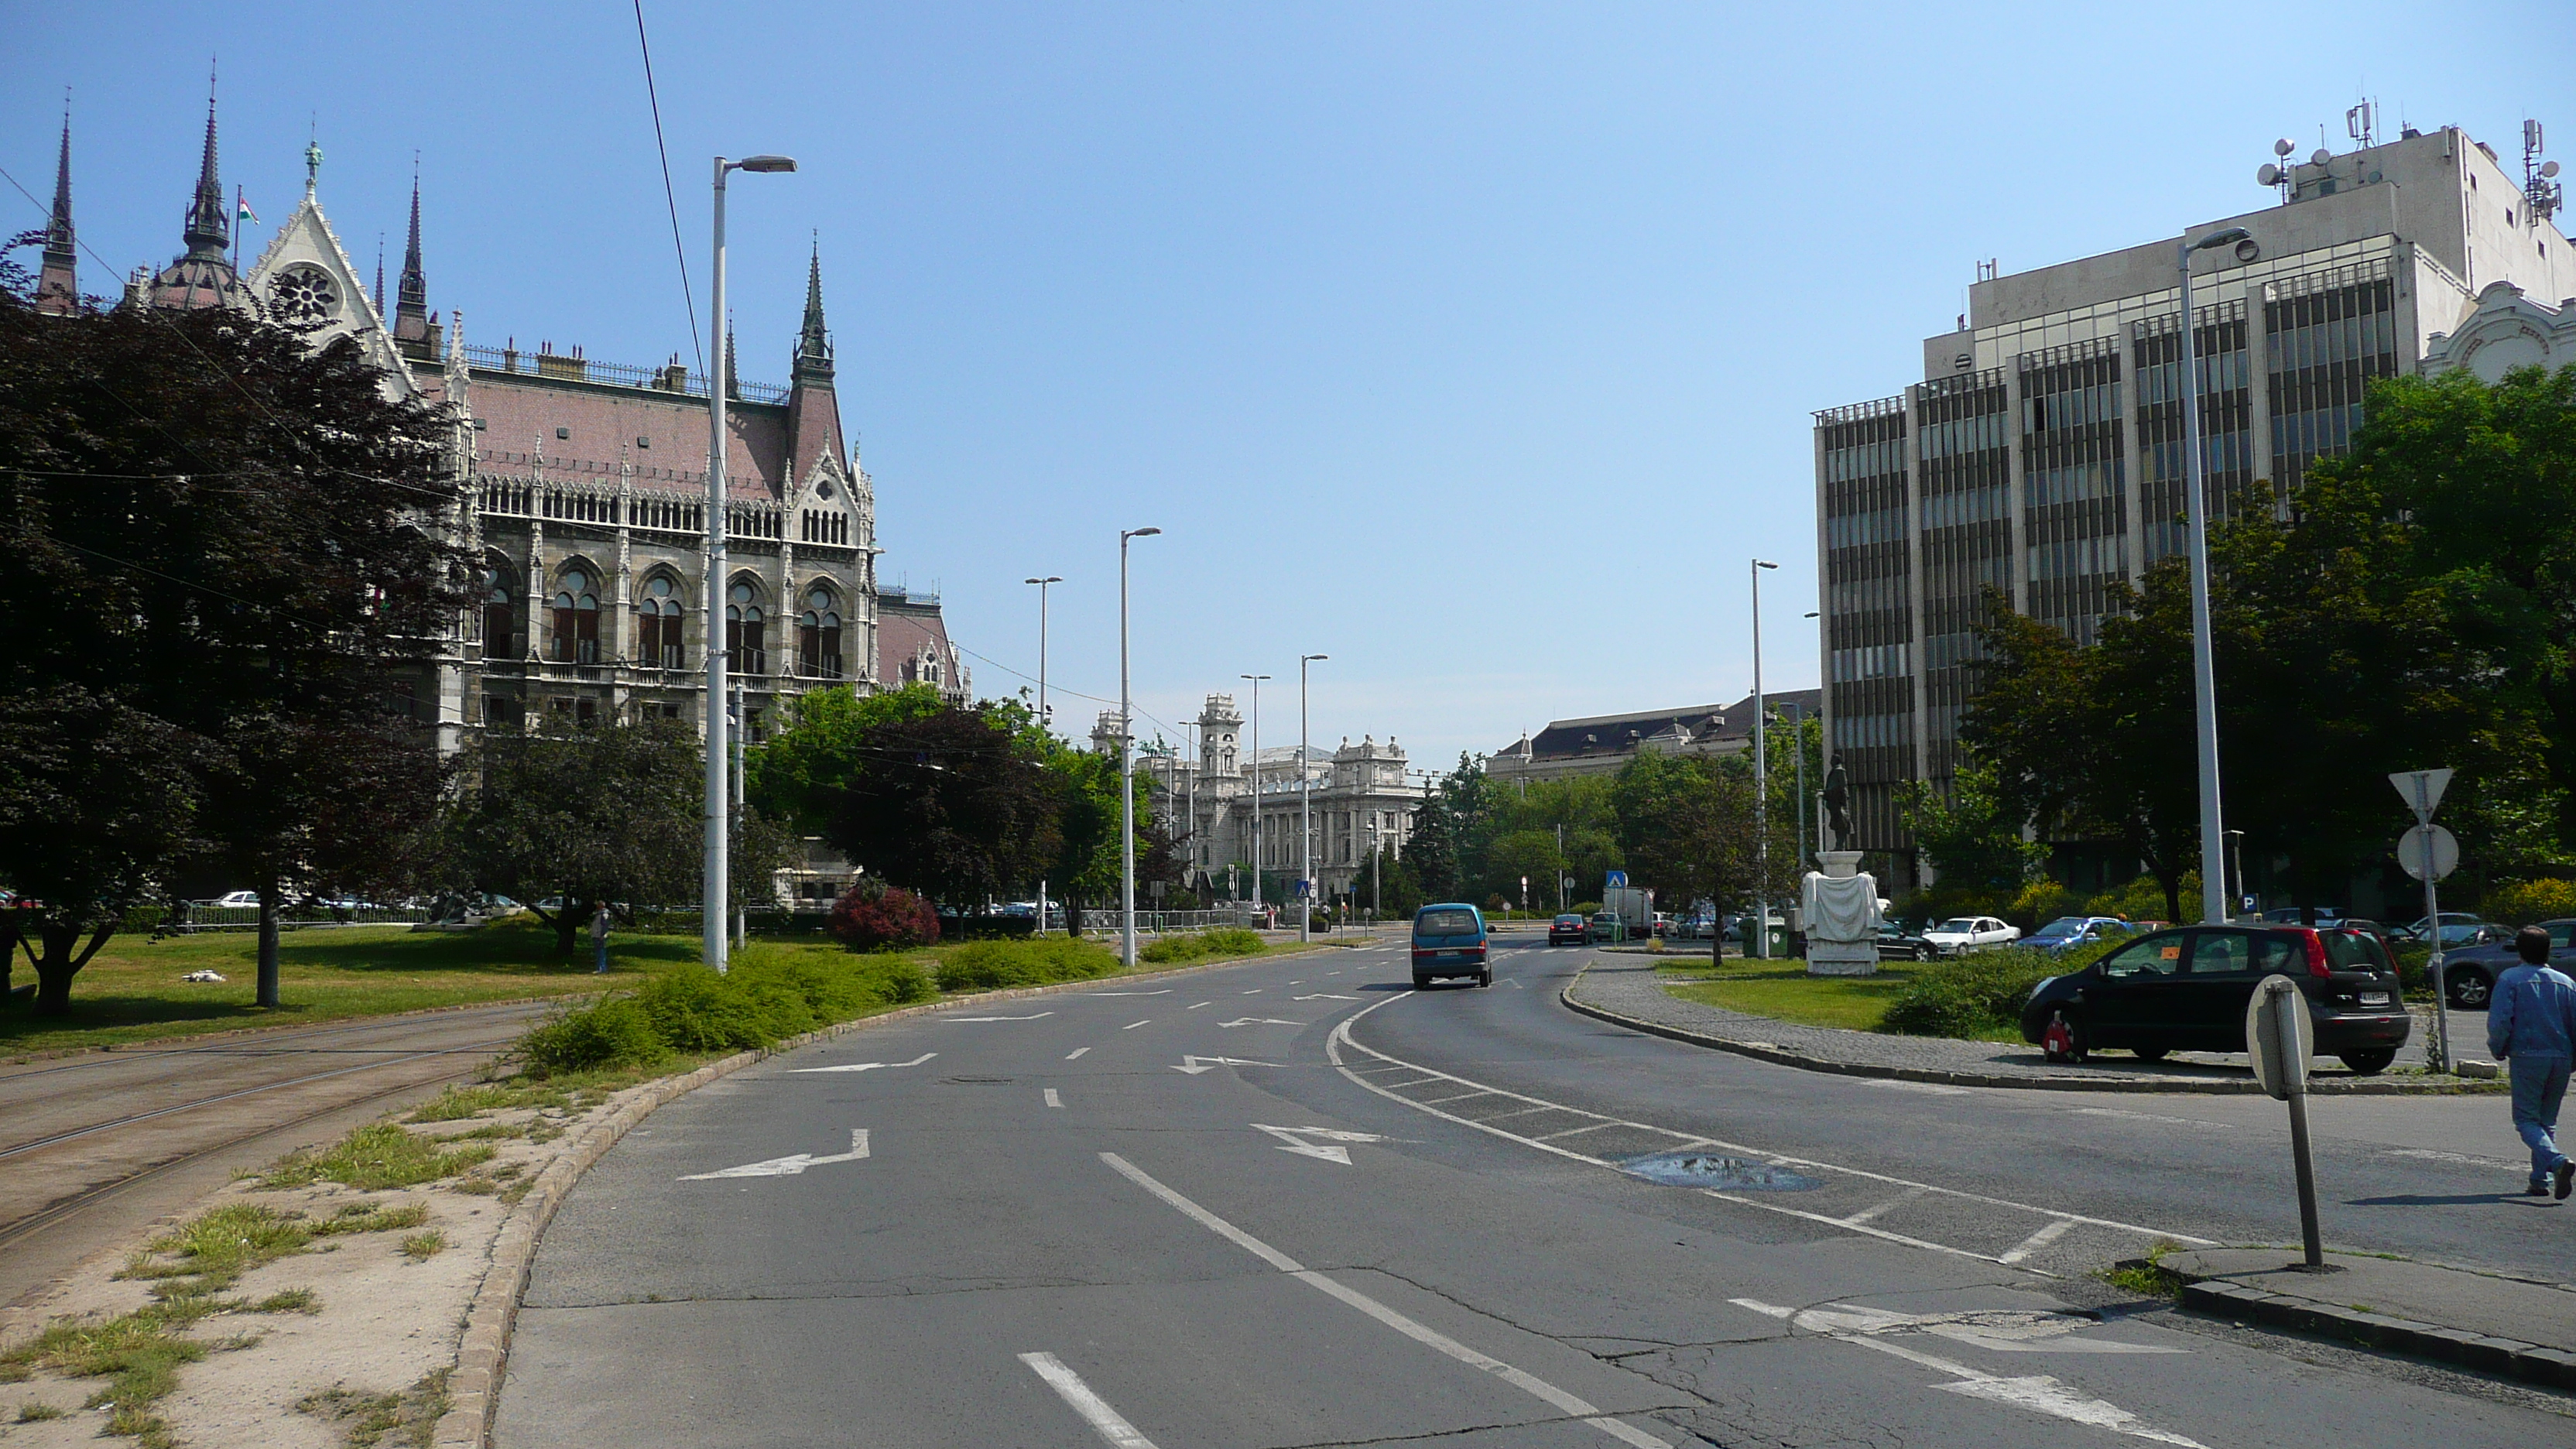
(2041, 454)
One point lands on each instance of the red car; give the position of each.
(1567, 930)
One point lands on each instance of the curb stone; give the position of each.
(2502, 1357)
(1781, 1056)
(483, 1354)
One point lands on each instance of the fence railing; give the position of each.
(194, 916)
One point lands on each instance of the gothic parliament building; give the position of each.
(581, 487)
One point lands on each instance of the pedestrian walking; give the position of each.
(2531, 1023)
(599, 944)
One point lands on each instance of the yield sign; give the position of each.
(2422, 789)
(1293, 1139)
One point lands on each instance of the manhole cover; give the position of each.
(973, 1081)
(1706, 1169)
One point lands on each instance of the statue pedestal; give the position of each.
(1841, 906)
(1841, 958)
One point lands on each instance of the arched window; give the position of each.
(576, 619)
(746, 631)
(658, 616)
(500, 620)
(818, 637)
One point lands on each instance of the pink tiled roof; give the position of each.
(520, 415)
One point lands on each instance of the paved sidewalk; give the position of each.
(1625, 990)
(2510, 1327)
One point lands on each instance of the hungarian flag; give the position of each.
(244, 213)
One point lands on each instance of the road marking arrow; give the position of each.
(792, 1165)
(1326, 996)
(997, 1018)
(1293, 1139)
(1195, 1065)
(1259, 1021)
(866, 1066)
(1165, 991)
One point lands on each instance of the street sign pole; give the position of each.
(2280, 1040)
(2422, 791)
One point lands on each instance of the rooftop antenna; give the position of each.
(2276, 173)
(2541, 192)
(2362, 123)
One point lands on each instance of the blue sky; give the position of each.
(1473, 345)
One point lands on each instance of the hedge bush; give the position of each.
(1979, 994)
(1194, 945)
(768, 996)
(871, 917)
(987, 965)
(2527, 902)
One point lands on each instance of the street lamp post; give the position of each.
(1761, 782)
(1804, 856)
(1257, 903)
(1126, 767)
(1305, 808)
(2204, 673)
(715, 889)
(1046, 721)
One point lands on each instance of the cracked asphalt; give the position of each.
(1177, 1257)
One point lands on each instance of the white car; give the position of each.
(1961, 934)
(237, 901)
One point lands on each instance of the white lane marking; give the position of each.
(1575, 1131)
(1929, 1089)
(1324, 996)
(2048, 1233)
(1203, 1003)
(1164, 991)
(1512, 983)
(997, 1018)
(866, 1066)
(1077, 1051)
(1290, 1142)
(1078, 1396)
(2461, 1158)
(1462, 1096)
(2128, 1116)
(1052, 1099)
(1341, 1037)
(1536, 1387)
(1259, 1021)
(792, 1165)
(1131, 1026)
(1898, 1201)
(2038, 1393)
(1195, 1065)
(1256, 991)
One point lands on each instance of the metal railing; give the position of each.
(616, 374)
(193, 916)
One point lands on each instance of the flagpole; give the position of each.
(237, 221)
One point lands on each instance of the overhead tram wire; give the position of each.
(670, 197)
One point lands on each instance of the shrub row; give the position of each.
(989, 965)
(1978, 994)
(768, 996)
(1195, 945)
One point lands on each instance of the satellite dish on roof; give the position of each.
(2320, 156)
(2267, 175)
(2548, 168)
(2284, 146)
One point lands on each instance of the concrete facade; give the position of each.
(2042, 453)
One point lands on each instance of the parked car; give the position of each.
(1895, 944)
(1606, 926)
(2289, 916)
(2068, 932)
(2469, 972)
(2187, 990)
(1449, 940)
(1663, 923)
(236, 901)
(1568, 929)
(1961, 934)
(2459, 928)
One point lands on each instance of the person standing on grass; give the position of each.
(599, 936)
(2531, 1023)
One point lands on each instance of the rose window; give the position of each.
(304, 294)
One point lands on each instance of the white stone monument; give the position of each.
(1840, 905)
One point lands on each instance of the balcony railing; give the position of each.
(674, 378)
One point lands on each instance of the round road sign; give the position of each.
(2428, 845)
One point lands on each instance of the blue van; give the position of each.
(1449, 940)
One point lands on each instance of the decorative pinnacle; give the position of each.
(411, 295)
(814, 344)
(60, 249)
(210, 226)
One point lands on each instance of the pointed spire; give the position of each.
(411, 295)
(733, 365)
(210, 226)
(58, 285)
(380, 276)
(814, 344)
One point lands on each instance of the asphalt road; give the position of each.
(1392, 1216)
(98, 1144)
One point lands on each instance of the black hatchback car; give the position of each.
(2186, 989)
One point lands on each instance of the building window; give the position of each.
(659, 619)
(818, 637)
(500, 712)
(746, 631)
(500, 621)
(576, 620)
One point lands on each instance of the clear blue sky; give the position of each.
(1473, 345)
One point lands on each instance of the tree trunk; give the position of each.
(565, 926)
(60, 963)
(268, 944)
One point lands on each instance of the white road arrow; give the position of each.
(1195, 1065)
(2037, 1392)
(1293, 1139)
(1325, 996)
(1166, 991)
(792, 1165)
(1259, 1021)
(998, 1018)
(866, 1066)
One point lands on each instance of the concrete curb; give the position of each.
(2502, 1357)
(483, 1354)
(1765, 1051)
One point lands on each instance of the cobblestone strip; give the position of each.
(1632, 996)
(474, 1389)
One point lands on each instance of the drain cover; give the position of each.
(1704, 1169)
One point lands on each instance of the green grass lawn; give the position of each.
(131, 991)
(1784, 991)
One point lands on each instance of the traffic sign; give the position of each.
(1618, 879)
(2428, 846)
(2280, 1038)
(2422, 789)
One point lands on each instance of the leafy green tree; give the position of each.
(1972, 837)
(951, 804)
(1686, 828)
(798, 775)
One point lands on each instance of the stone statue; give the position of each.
(1837, 795)
(1840, 907)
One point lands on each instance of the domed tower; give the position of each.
(1220, 726)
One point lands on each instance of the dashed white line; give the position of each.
(1131, 1026)
(1197, 1005)
(1420, 1333)
(1077, 1051)
(1052, 1099)
(1095, 1410)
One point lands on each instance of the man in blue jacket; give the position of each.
(2531, 1022)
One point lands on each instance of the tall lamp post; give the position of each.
(1257, 902)
(2204, 673)
(1305, 808)
(1761, 782)
(716, 892)
(1046, 720)
(1126, 767)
